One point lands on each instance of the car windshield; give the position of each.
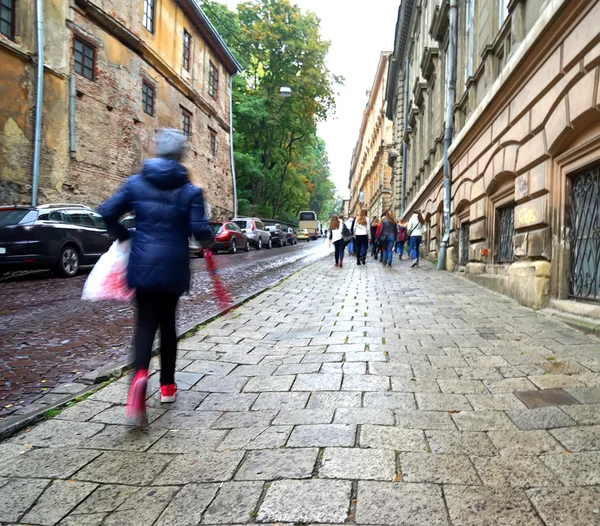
(241, 223)
(216, 228)
(14, 216)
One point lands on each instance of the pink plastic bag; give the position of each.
(108, 278)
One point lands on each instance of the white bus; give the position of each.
(308, 220)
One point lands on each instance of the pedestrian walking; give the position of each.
(336, 227)
(388, 234)
(416, 229)
(168, 208)
(349, 224)
(401, 240)
(361, 232)
(374, 225)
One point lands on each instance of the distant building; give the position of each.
(346, 207)
(525, 160)
(370, 175)
(135, 66)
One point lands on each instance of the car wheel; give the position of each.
(270, 244)
(68, 262)
(233, 247)
(247, 247)
(259, 245)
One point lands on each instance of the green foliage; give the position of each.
(281, 163)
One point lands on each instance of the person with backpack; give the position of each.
(350, 242)
(388, 235)
(416, 229)
(361, 232)
(374, 225)
(401, 240)
(336, 231)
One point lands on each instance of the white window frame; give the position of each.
(502, 12)
(148, 15)
(470, 31)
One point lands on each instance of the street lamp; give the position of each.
(285, 91)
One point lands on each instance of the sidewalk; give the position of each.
(361, 395)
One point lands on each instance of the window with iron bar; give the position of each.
(213, 144)
(187, 47)
(7, 18)
(148, 17)
(213, 81)
(84, 57)
(186, 123)
(148, 99)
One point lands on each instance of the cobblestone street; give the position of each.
(362, 395)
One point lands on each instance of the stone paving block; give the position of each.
(188, 441)
(394, 438)
(365, 357)
(319, 357)
(387, 503)
(424, 420)
(388, 400)
(18, 495)
(462, 386)
(437, 469)
(365, 382)
(47, 463)
(228, 402)
(518, 472)
(542, 418)
(566, 506)
(240, 358)
(82, 411)
(300, 368)
(253, 370)
(479, 373)
(188, 506)
(483, 421)
(323, 435)
(304, 416)
(460, 442)
(203, 467)
(583, 414)
(344, 367)
(390, 369)
(57, 501)
(182, 419)
(486, 361)
(477, 506)
(509, 385)
(575, 469)
(120, 467)
(210, 367)
(94, 519)
(585, 395)
(124, 438)
(347, 347)
(115, 392)
(516, 443)
(306, 501)
(143, 508)
(58, 434)
(555, 381)
(275, 464)
(442, 402)
(582, 438)
(230, 420)
(105, 498)
(317, 382)
(256, 438)
(360, 415)
(235, 503)
(495, 402)
(277, 401)
(332, 400)
(354, 463)
(426, 371)
(187, 401)
(221, 384)
(9, 451)
(414, 385)
(260, 384)
(116, 415)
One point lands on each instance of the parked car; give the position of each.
(291, 237)
(303, 235)
(229, 236)
(277, 235)
(53, 236)
(255, 230)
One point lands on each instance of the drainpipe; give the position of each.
(235, 200)
(449, 130)
(37, 141)
(404, 143)
(72, 143)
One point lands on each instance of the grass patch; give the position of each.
(51, 413)
(347, 338)
(383, 341)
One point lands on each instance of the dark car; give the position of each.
(54, 236)
(291, 237)
(229, 236)
(277, 235)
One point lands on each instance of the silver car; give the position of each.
(255, 231)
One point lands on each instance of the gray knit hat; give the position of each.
(170, 143)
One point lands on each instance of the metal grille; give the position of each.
(463, 244)
(584, 268)
(505, 233)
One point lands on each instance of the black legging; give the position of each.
(156, 309)
(361, 247)
(339, 250)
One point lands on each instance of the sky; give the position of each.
(359, 31)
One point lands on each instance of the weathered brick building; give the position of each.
(525, 157)
(114, 71)
(370, 175)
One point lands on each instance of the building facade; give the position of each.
(370, 174)
(114, 72)
(525, 158)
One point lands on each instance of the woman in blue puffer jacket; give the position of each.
(168, 209)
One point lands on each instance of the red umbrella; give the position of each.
(221, 292)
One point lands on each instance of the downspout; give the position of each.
(37, 141)
(404, 143)
(235, 200)
(72, 142)
(449, 130)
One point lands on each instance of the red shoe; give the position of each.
(168, 393)
(135, 411)
(337, 265)
(341, 264)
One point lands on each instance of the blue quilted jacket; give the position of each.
(168, 209)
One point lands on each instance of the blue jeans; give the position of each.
(414, 244)
(399, 248)
(388, 249)
(351, 247)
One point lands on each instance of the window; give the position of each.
(470, 30)
(7, 18)
(503, 12)
(187, 46)
(213, 81)
(505, 247)
(148, 18)
(84, 55)
(81, 218)
(148, 99)
(186, 119)
(213, 144)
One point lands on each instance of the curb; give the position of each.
(13, 424)
(580, 323)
